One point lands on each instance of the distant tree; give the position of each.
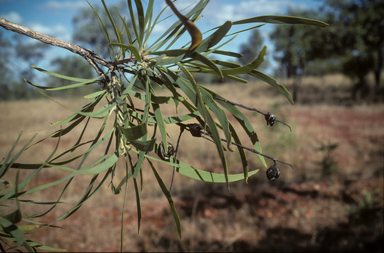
(360, 25)
(5, 70)
(354, 40)
(30, 53)
(87, 29)
(251, 48)
(297, 46)
(12, 85)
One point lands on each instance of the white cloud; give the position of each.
(64, 5)
(57, 31)
(218, 12)
(12, 16)
(160, 28)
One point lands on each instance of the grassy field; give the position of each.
(331, 200)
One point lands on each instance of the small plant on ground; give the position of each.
(328, 164)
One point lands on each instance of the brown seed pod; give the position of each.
(161, 151)
(273, 172)
(270, 118)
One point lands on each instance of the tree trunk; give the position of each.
(377, 73)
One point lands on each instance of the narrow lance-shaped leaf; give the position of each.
(169, 197)
(133, 20)
(276, 19)
(201, 175)
(131, 48)
(140, 14)
(244, 122)
(199, 100)
(216, 137)
(161, 124)
(138, 204)
(103, 29)
(112, 21)
(147, 20)
(74, 79)
(266, 78)
(125, 27)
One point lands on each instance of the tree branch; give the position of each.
(87, 54)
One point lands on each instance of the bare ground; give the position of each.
(303, 210)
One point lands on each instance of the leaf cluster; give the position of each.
(135, 69)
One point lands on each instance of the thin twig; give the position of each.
(249, 108)
(175, 154)
(249, 149)
(195, 131)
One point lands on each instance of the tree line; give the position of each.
(353, 44)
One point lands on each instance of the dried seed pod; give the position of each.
(161, 151)
(195, 129)
(270, 118)
(273, 172)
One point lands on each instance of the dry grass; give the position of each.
(96, 226)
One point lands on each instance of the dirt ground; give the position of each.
(326, 203)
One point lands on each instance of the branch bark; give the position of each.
(87, 54)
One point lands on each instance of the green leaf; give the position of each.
(74, 79)
(95, 94)
(273, 83)
(139, 163)
(169, 198)
(138, 204)
(133, 20)
(248, 67)
(161, 124)
(244, 30)
(167, 120)
(125, 27)
(68, 129)
(10, 228)
(219, 113)
(201, 175)
(100, 113)
(208, 62)
(112, 22)
(145, 146)
(276, 19)
(149, 15)
(156, 99)
(210, 176)
(199, 101)
(66, 87)
(128, 89)
(244, 122)
(242, 154)
(141, 18)
(131, 48)
(87, 108)
(4, 166)
(171, 60)
(103, 28)
(214, 38)
(134, 132)
(172, 52)
(195, 12)
(44, 247)
(216, 137)
(228, 53)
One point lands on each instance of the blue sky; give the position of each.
(54, 17)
